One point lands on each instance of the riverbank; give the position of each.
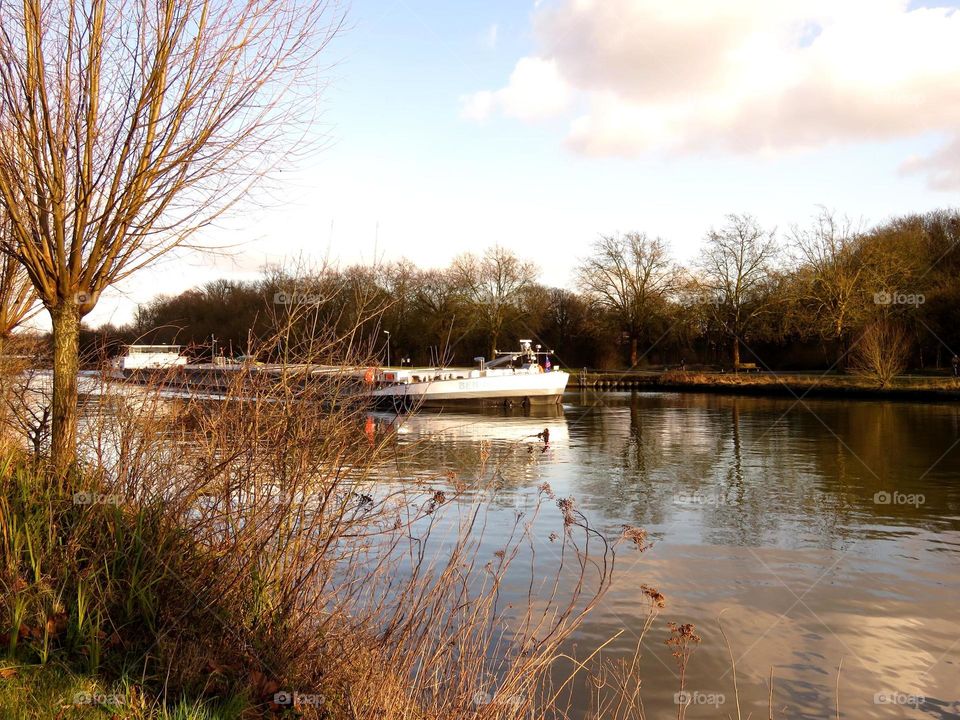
(910, 388)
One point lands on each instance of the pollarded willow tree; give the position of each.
(128, 125)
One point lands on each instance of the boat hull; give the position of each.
(504, 390)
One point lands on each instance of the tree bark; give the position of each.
(66, 327)
(634, 358)
(736, 354)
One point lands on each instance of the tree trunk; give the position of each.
(66, 327)
(634, 358)
(736, 354)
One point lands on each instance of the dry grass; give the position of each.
(253, 545)
(830, 382)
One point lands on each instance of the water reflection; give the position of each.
(827, 530)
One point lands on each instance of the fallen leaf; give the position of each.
(7, 672)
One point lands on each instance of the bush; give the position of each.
(881, 352)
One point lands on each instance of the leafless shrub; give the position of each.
(882, 351)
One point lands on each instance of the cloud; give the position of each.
(941, 168)
(534, 91)
(741, 76)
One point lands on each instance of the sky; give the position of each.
(542, 124)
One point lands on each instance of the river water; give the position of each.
(826, 532)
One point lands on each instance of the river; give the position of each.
(825, 531)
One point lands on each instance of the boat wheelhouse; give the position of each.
(137, 358)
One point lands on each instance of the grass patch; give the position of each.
(41, 692)
(825, 381)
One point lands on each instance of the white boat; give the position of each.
(514, 378)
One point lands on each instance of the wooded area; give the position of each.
(814, 296)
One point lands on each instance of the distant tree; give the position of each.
(127, 126)
(629, 276)
(437, 302)
(561, 320)
(735, 270)
(398, 280)
(564, 317)
(940, 312)
(493, 285)
(831, 282)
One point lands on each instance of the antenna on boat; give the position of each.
(446, 348)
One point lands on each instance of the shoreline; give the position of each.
(844, 387)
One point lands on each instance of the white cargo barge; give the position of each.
(515, 378)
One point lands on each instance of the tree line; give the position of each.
(820, 295)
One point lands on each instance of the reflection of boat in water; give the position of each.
(474, 426)
(514, 378)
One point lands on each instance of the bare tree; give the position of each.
(436, 302)
(735, 269)
(18, 302)
(628, 275)
(494, 285)
(882, 351)
(127, 126)
(831, 281)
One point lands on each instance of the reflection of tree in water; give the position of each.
(765, 470)
(733, 470)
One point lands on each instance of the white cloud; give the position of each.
(743, 76)
(535, 91)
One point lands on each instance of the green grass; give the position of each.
(41, 692)
(83, 609)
